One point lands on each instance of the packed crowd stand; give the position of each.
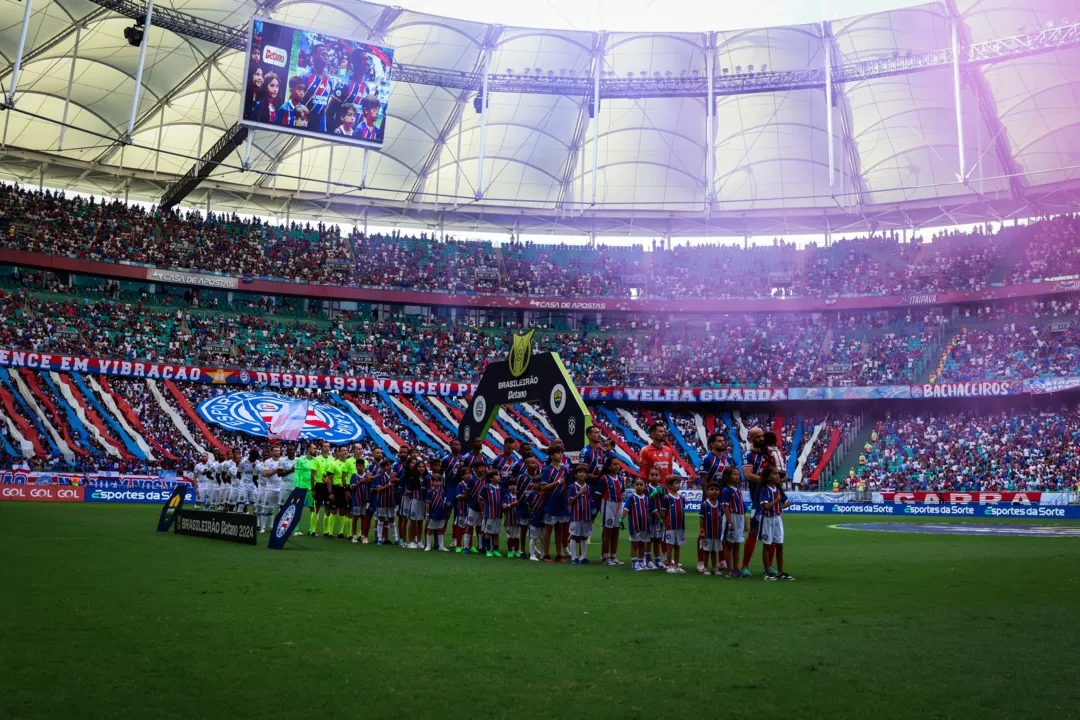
(50, 222)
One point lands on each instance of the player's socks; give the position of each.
(312, 516)
(583, 549)
(748, 550)
(648, 557)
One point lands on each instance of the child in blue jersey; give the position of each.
(731, 501)
(655, 492)
(712, 519)
(528, 470)
(579, 498)
(772, 502)
(510, 521)
(461, 508)
(638, 510)
(674, 517)
(490, 501)
(553, 485)
(533, 501)
(438, 504)
(382, 487)
(611, 495)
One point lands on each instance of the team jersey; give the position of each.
(212, 470)
(316, 95)
(450, 465)
(555, 503)
(673, 512)
(473, 486)
(362, 487)
(766, 496)
(366, 132)
(757, 461)
(467, 459)
(490, 499)
(659, 457)
(532, 504)
(286, 466)
(383, 489)
(505, 466)
(510, 514)
(656, 494)
(352, 92)
(711, 467)
(581, 504)
(302, 471)
(438, 504)
(593, 458)
(200, 473)
(612, 488)
(712, 519)
(227, 471)
(731, 498)
(272, 479)
(639, 512)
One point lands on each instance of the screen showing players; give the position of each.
(310, 83)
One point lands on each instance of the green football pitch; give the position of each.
(103, 617)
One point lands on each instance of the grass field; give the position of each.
(103, 617)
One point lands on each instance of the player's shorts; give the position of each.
(270, 497)
(417, 510)
(675, 537)
(473, 518)
(385, 513)
(523, 522)
(403, 504)
(712, 544)
(580, 528)
(551, 519)
(310, 501)
(736, 531)
(755, 521)
(435, 525)
(213, 493)
(491, 526)
(612, 512)
(322, 496)
(200, 493)
(657, 531)
(286, 491)
(536, 532)
(771, 531)
(460, 520)
(563, 519)
(341, 499)
(643, 536)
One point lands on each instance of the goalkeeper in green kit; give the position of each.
(302, 478)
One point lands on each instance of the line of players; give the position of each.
(227, 483)
(413, 499)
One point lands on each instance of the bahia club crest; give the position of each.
(525, 377)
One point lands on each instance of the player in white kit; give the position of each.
(246, 492)
(269, 488)
(287, 474)
(214, 488)
(202, 482)
(230, 484)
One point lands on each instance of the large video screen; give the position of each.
(310, 83)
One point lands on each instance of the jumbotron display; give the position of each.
(310, 83)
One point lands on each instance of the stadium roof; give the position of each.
(896, 148)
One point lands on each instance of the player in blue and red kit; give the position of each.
(490, 500)
(712, 519)
(438, 504)
(579, 498)
(731, 501)
(382, 487)
(473, 516)
(711, 465)
(638, 510)
(772, 502)
(553, 485)
(761, 456)
(674, 518)
(611, 485)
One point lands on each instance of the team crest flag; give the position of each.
(289, 423)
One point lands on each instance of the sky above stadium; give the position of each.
(650, 15)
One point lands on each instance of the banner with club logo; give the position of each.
(254, 412)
